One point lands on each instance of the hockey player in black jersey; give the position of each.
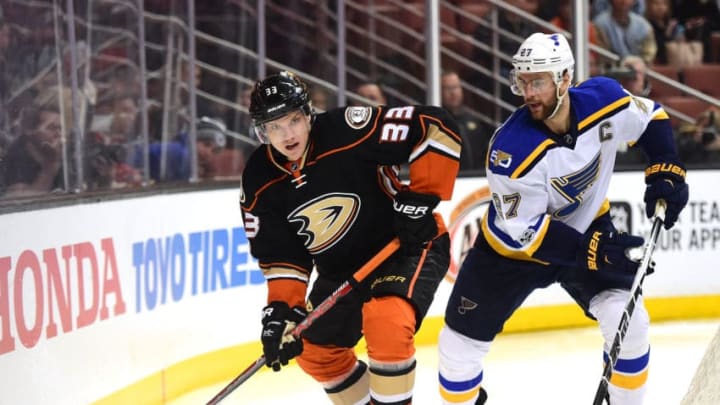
(323, 193)
(549, 170)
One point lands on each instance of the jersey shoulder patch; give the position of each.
(595, 99)
(517, 145)
(341, 127)
(357, 117)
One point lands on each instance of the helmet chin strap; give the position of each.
(559, 102)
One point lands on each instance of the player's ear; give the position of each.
(565, 83)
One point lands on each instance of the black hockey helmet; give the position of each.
(277, 95)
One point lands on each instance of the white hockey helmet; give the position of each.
(542, 53)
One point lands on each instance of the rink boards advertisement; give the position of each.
(140, 300)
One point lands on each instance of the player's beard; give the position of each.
(542, 111)
(545, 112)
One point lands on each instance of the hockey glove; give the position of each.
(414, 222)
(279, 345)
(607, 251)
(666, 181)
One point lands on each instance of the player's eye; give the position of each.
(538, 84)
(535, 84)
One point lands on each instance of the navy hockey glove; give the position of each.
(666, 181)
(279, 345)
(414, 222)
(606, 251)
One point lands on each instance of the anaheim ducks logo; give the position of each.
(326, 219)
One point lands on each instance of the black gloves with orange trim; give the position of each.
(279, 344)
(414, 222)
(666, 181)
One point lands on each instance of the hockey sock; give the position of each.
(461, 371)
(392, 384)
(389, 325)
(629, 376)
(354, 390)
(628, 379)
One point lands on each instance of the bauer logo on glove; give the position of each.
(414, 222)
(607, 251)
(666, 181)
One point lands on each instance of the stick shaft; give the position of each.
(317, 312)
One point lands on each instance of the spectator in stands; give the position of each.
(599, 6)
(665, 27)
(238, 120)
(31, 44)
(116, 118)
(700, 18)
(113, 131)
(563, 20)
(5, 38)
(34, 160)
(631, 73)
(319, 99)
(625, 32)
(700, 142)
(475, 133)
(372, 92)
(241, 141)
(210, 140)
(106, 165)
(507, 46)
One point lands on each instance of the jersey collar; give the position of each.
(281, 162)
(568, 139)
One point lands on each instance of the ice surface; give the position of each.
(554, 367)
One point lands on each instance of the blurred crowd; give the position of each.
(675, 37)
(678, 37)
(71, 113)
(73, 116)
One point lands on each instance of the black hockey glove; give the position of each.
(414, 222)
(607, 251)
(279, 345)
(666, 181)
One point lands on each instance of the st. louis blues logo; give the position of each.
(573, 186)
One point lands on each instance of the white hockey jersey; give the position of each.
(536, 175)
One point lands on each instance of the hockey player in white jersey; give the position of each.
(549, 167)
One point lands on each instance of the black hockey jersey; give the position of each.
(333, 209)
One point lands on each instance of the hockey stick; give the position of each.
(317, 312)
(635, 292)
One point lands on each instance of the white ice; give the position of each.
(554, 367)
